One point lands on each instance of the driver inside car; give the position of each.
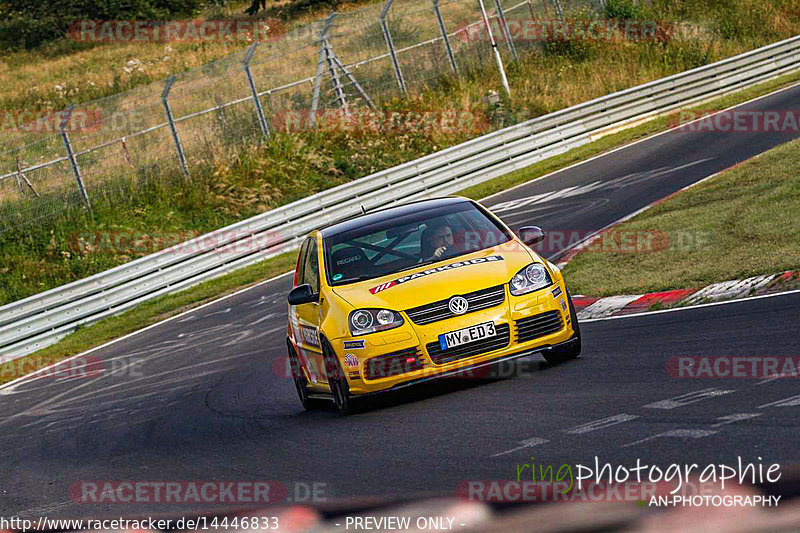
(435, 240)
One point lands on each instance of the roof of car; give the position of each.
(388, 213)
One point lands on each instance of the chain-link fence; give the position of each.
(348, 61)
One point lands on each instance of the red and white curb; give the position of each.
(589, 307)
(729, 290)
(608, 306)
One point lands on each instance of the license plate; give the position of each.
(467, 335)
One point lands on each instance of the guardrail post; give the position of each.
(445, 38)
(387, 36)
(262, 122)
(501, 16)
(171, 120)
(73, 161)
(497, 57)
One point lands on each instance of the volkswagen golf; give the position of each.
(424, 290)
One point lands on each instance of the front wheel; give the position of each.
(340, 389)
(570, 349)
(300, 382)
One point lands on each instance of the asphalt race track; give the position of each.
(206, 396)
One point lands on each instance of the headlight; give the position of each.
(364, 321)
(531, 278)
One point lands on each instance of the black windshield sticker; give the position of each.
(445, 268)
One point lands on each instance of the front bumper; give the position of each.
(471, 370)
(415, 357)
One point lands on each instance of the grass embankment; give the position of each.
(739, 224)
(67, 72)
(162, 308)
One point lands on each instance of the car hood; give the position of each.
(437, 281)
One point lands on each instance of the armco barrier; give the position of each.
(35, 322)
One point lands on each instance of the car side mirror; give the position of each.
(531, 234)
(302, 294)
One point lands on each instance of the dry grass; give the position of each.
(64, 72)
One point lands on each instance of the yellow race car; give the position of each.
(425, 290)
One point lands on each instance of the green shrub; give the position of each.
(29, 23)
(622, 10)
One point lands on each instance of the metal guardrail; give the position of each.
(40, 320)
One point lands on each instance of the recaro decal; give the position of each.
(445, 268)
(347, 260)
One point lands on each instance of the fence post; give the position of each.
(387, 36)
(352, 80)
(559, 11)
(338, 88)
(445, 38)
(497, 57)
(18, 175)
(261, 120)
(21, 177)
(71, 155)
(533, 13)
(504, 26)
(171, 120)
(270, 108)
(323, 36)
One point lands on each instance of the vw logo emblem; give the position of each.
(458, 305)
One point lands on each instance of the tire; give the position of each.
(300, 382)
(555, 356)
(340, 389)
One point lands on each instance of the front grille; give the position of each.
(482, 299)
(537, 326)
(393, 364)
(441, 357)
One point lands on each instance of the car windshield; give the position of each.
(401, 243)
